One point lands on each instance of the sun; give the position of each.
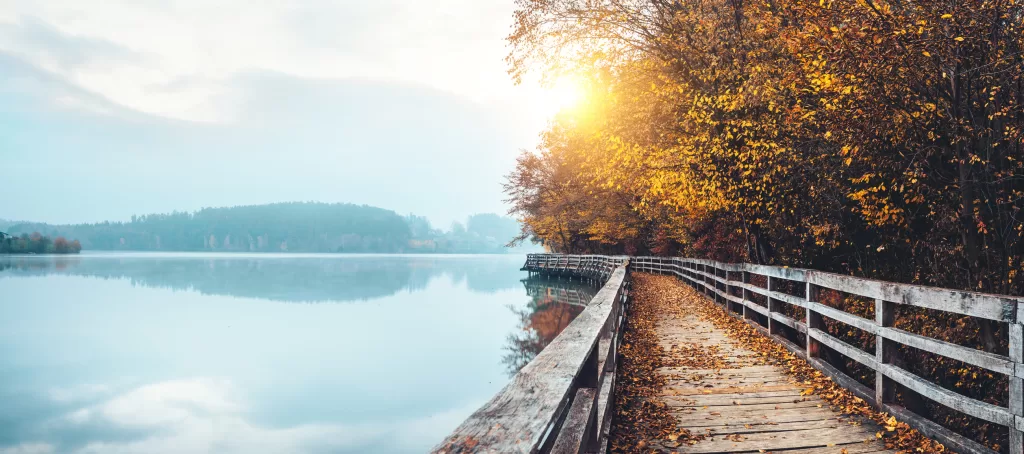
(564, 93)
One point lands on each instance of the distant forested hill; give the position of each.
(287, 227)
(5, 224)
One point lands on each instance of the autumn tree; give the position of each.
(875, 138)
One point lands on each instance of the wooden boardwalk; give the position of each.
(743, 405)
(729, 398)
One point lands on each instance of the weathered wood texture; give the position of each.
(559, 402)
(712, 278)
(745, 406)
(530, 413)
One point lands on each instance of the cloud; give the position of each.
(39, 39)
(159, 106)
(87, 391)
(399, 146)
(29, 87)
(122, 50)
(204, 415)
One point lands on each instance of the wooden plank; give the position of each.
(983, 305)
(847, 350)
(709, 384)
(840, 316)
(742, 370)
(851, 448)
(730, 409)
(735, 366)
(756, 307)
(784, 297)
(813, 321)
(771, 426)
(689, 391)
(1016, 403)
(576, 431)
(958, 402)
(781, 390)
(951, 440)
(844, 380)
(822, 412)
(727, 373)
(781, 272)
(790, 322)
(696, 422)
(885, 316)
(603, 351)
(717, 400)
(795, 439)
(604, 405)
(983, 359)
(518, 418)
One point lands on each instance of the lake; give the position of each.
(239, 353)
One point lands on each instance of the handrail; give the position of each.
(560, 401)
(563, 394)
(719, 281)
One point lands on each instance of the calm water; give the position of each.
(196, 353)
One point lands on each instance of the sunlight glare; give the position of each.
(564, 93)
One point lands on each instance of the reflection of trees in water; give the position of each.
(553, 305)
(291, 279)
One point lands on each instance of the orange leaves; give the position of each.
(640, 420)
(897, 435)
(882, 139)
(890, 424)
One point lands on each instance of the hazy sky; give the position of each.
(112, 108)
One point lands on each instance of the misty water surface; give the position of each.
(182, 353)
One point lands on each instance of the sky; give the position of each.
(113, 108)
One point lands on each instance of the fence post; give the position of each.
(745, 278)
(1017, 387)
(718, 289)
(814, 320)
(771, 322)
(885, 389)
(707, 280)
(703, 278)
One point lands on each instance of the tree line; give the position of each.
(289, 227)
(879, 138)
(36, 243)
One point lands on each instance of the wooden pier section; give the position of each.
(743, 404)
(561, 401)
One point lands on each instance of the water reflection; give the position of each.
(212, 415)
(288, 278)
(553, 305)
(106, 353)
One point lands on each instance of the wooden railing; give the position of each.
(731, 285)
(590, 266)
(559, 402)
(559, 291)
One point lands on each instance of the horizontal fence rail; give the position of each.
(560, 401)
(591, 266)
(730, 285)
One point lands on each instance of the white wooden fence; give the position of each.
(730, 285)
